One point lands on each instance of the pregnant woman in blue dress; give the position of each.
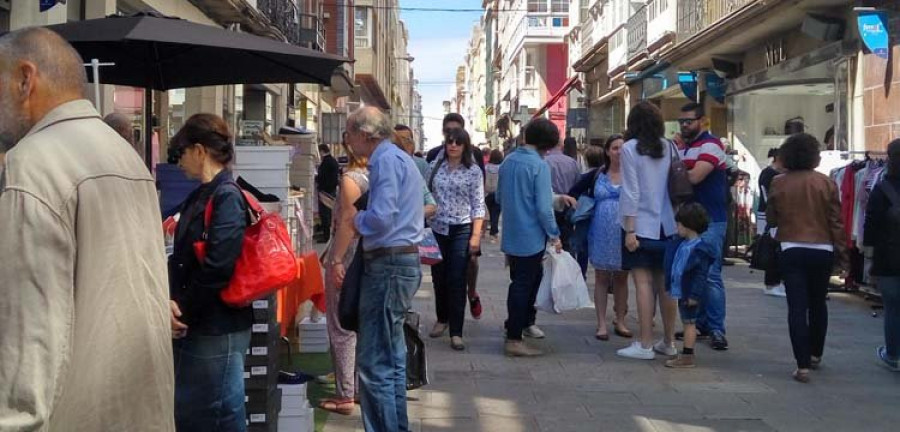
(605, 243)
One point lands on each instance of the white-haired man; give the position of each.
(85, 338)
(391, 227)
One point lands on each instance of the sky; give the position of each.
(438, 42)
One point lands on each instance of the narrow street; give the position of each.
(580, 385)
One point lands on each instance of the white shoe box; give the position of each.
(293, 396)
(304, 421)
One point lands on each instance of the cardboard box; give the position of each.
(293, 396)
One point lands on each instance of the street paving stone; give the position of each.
(581, 385)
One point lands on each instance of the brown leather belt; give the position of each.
(385, 251)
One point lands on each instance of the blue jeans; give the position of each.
(712, 317)
(450, 277)
(209, 382)
(890, 296)
(388, 285)
(526, 274)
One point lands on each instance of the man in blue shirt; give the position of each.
(704, 157)
(392, 228)
(525, 195)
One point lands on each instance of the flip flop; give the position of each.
(337, 406)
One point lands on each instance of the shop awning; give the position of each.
(556, 96)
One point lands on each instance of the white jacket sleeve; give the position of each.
(36, 309)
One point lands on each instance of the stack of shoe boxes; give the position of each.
(296, 414)
(262, 396)
(313, 336)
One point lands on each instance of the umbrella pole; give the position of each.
(95, 69)
(148, 128)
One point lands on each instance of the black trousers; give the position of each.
(806, 273)
(525, 274)
(325, 220)
(494, 211)
(449, 277)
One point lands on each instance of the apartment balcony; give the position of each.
(662, 23)
(618, 51)
(300, 29)
(637, 34)
(537, 28)
(695, 16)
(587, 34)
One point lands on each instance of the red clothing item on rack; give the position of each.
(848, 199)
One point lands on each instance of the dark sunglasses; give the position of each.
(687, 121)
(454, 143)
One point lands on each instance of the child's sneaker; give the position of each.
(683, 361)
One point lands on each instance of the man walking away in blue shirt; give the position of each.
(392, 228)
(526, 199)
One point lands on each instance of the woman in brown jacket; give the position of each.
(804, 207)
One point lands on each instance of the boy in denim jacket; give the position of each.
(687, 263)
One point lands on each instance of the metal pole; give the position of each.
(95, 65)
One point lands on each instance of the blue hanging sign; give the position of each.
(48, 4)
(716, 86)
(688, 83)
(873, 31)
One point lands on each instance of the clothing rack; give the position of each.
(867, 153)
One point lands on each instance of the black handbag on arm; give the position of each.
(348, 300)
(765, 252)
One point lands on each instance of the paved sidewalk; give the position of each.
(580, 385)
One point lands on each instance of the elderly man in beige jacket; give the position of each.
(85, 338)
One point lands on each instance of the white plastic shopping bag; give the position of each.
(562, 287)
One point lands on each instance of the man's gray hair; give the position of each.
(371, 121)
(122, 125)
(61, 66)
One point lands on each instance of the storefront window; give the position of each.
(812, 100)
(176, 111)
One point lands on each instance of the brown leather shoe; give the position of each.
(683, 361)
(438, 330)
(519, 349)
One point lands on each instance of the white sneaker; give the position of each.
(636, 351)
(534, 332)
(666, 350)
(775, 291)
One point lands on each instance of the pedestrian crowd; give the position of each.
(88, 309)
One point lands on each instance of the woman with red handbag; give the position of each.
(210, 337)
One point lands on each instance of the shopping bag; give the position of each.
(416, 362)
(429, 252)
(544, 300)
(562, 278)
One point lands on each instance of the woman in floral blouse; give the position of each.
(458, 187)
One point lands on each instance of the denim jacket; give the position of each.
(694, 279)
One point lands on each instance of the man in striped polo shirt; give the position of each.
(704, 157)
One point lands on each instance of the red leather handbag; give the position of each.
(267, 261)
